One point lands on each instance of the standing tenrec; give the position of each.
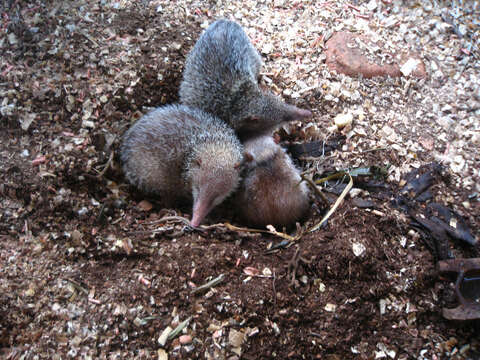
(221, 78)
(272, 191)
(179, 152)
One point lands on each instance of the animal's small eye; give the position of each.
(252, 119)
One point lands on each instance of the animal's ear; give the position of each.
(197, 162)
(247, 157)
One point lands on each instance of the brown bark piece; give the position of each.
(345, 56)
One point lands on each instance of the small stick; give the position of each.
(463, 69)
(170, 218)
(146, 232)
(227, 225)
(315, 158)
(353, 7)
(213, 226)
(210, 284)
(293, 266)
(331, 177)
(274, 293)
(280, 234)
(84, 33)
(315, 188)
(179, 328)
(107, 165)
(337, 203)
(77, 285)
(26, 228)
(370, 150)
(366, 17)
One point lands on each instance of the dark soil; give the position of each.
(85, 274)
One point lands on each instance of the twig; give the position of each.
(77, 286)
(370, 150)
(84, 33)
(178, 219)
(314, 158)
(330, 177)
(366, 17)
(145, 232)
(176, 233)
(213, 226)
(315, 188)
(284, 244)
(27, 237)
(179, 328)
(353, 7)
(293, 266)
(337, 203)
(107, 165)
(463, 69)
(272, 232)
(170, 218)
(274, 293)
(210, 284)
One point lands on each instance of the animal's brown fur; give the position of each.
(271, 191)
